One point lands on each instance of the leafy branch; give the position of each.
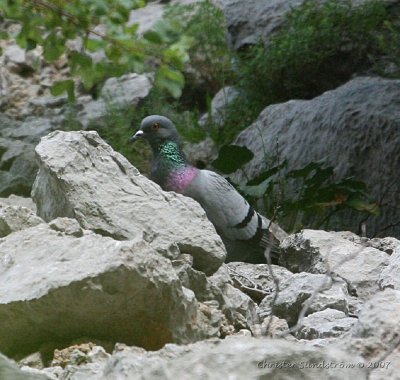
(51, 24)
(307, 196)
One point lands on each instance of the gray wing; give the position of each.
(230, 213)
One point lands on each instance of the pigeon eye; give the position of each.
(155, 126)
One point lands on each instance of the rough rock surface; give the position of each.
(390, 276)
(16, 200)
(318, 290)
(375, 335)
(17, 163)
(325, 324)
(387, 244)
(99, 287)
(219, 104)
(10, 371)
(121, 261)
(253, 21)
(15, 218)
(320, 252)
(219, 299)
(379, 318)
(67, 226)
(19, 60)
(236, 358)
(257, 280)
(126, 90)
(18, 139)
(148, 16)
(81, 177)
(360, 120)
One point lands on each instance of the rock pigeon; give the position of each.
(244, 232)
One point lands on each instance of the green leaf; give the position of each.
(80, 59)
(360, 204)
(96, 73)
(260, 190)
(165, 31)
(353, 186)
(177, 56)
(153, 37)
(131, 29)
(231, 158)
(306, 170)
(170, 80)
(53, 47)
(60, 87)
(267, 174)
(30, 44)
(93, 44)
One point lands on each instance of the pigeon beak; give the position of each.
(136, 136)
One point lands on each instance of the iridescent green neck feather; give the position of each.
(171, 152)
(167, 161)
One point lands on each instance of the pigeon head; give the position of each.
(156, 130)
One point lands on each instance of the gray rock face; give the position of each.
(379, 317)
(18, 139)
(320, 251)
(67, 226)
(219, 104)
(325, 324)
(16, 200)
(17, 163)
(16, 218)
(126, 90)
(387, 244)
(201, 154)
(98, 287)
(390, 276)
(253, 21)
(256, 280)
(203, 360)
(295, 292)
(375, 334)
(19, 60)
(148, 16)
(357, 122)
(81, 177)
(30, 130)
(10, 371)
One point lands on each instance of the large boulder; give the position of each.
(16, 218)
(375, 335)
(57, 287)
(325, 324)
(43, 114)
(253, 21)
(82, 177)
(17, 162)
(10, 371)
(233, 358)
(390, 276)
(148, 16)
(323, 252)
(313, 292)
(354, 128)
(127, 90)
(379, 318)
